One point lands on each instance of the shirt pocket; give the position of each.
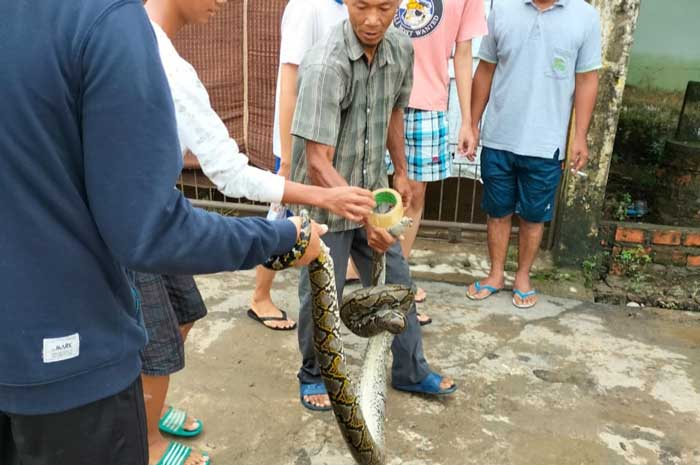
(560, 65)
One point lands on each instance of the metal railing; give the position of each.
(451, 203)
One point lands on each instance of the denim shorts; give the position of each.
(526, 186)
(167, 302)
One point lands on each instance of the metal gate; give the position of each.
(453, 204)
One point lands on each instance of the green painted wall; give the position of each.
(666, 50)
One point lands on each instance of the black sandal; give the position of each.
(262, 320)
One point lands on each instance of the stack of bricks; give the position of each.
(666, 245)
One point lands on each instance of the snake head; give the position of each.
(372, 310)
(393, 321)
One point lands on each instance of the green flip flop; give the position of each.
(177, 454)
(173, 422)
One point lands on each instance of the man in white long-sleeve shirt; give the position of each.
(172, 303)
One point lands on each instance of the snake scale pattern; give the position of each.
(376, 312)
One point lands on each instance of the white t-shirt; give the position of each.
(304, 23)
(202, 132)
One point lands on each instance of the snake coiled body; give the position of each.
(377, 312)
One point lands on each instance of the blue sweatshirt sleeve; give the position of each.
(132, 160)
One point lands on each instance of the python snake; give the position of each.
(377, 312)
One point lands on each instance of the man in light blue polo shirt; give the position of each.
(540, 58)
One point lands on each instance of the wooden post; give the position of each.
(581, 202)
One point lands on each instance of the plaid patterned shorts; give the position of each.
(427, 145)
(167, 302)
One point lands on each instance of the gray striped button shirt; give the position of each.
(345, 103)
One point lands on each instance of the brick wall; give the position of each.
(667, 245)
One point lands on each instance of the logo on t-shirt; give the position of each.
(418, 18)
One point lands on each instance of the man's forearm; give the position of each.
(319, 161)
(395, 142)
(463, 77)
(301, 194)
(288, 100)
(584, 101)
(481, 88)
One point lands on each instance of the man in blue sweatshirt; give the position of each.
(89, 156)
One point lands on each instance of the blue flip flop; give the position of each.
(523, 296)
(429, 385)
(479, 287)
(313, 390)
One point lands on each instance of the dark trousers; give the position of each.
(111, 431)
(409, 365)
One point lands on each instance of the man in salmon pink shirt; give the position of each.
(436, 27)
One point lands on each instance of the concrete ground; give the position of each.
(566, 383)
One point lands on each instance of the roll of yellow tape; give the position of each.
(389, 209)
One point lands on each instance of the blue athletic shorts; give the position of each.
(526, 186)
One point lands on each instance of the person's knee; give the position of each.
(528, 224)
(501, 220)
(185, 330)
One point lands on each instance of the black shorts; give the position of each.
(110, 431)
(167, 302)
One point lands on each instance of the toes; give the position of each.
(280, 324)
(313, 400)
(195, 458)
(320, 401)
(446, 383)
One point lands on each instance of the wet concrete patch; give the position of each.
(565, 383)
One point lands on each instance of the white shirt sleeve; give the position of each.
(205, 135)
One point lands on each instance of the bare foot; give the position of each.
(522, 283)
(265, 309)
(351, 273)
(319, 400)
(496, 283)
(446, 383)
(191, 423)
(421, 295)
(423, 318)
(157, 448)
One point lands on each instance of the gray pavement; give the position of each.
(566, 383)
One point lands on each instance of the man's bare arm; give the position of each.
(395, 143)
(319, 162)
(288, 102)
(463, 76)
(481, 88)
(584, 102)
